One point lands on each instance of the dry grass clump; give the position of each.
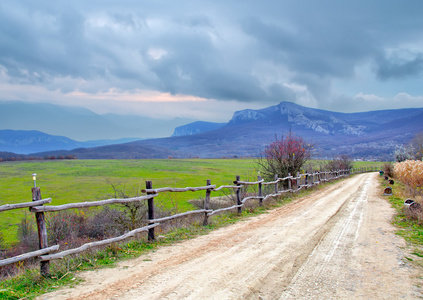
(410, 172)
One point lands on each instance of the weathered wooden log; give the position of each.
(200, 211)
(42, 231)
(25, 256)
(238, 195)
(277, 180)
(289, 181)
(306, 180)
(228, 187)
(249, 198)
(224, 209)
(273, 195)
(207, 204)
(187, 189)
(251, 183)
(276, 184)
(23, 205)
(90, 204)
(260, 191)
(87, 246)
(149, 186)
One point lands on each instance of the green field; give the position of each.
(67, 181)
(87, 180)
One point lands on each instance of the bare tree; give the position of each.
(417, 144)
(285, 155)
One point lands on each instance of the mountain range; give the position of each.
(373, 134)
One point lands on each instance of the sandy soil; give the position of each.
(337, 243)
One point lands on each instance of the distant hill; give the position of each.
(81, 124)
(30, 141)
(196, 127)
(368, 134)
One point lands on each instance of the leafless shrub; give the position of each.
(27, 235)
(388, 169)
(63, 225)
(342, 162)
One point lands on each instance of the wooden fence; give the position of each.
(291, 185)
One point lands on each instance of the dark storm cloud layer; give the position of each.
(246, 51)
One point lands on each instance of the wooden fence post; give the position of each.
(42, 232)
(298, 181)
(306, 180)
(207, 204)
(238, 194)
(289, 182)
(260, 191)
(149, 185)
(276, 184)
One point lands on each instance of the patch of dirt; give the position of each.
(337, 243)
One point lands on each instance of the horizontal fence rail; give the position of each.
(290, 184)
(23, 205)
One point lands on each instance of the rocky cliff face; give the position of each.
(296, 115)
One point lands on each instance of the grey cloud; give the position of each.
(391, 69)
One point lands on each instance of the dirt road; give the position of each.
(337, 243)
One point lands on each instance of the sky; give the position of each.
(203, 60)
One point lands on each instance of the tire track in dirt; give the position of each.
(321, 246)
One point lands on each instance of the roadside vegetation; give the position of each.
(408, 184)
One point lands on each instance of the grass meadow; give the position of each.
(67, 181)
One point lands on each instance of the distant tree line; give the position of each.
(9, 156)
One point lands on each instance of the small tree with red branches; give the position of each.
(285, 155)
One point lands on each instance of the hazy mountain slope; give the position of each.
(30, 141)
(81, 124)
(196, 127)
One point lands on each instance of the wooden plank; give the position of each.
(25, 256)
(23, 205)
(169, 189)
(90, 204)
(87, 246)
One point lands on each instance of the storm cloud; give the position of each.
(227, 54)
